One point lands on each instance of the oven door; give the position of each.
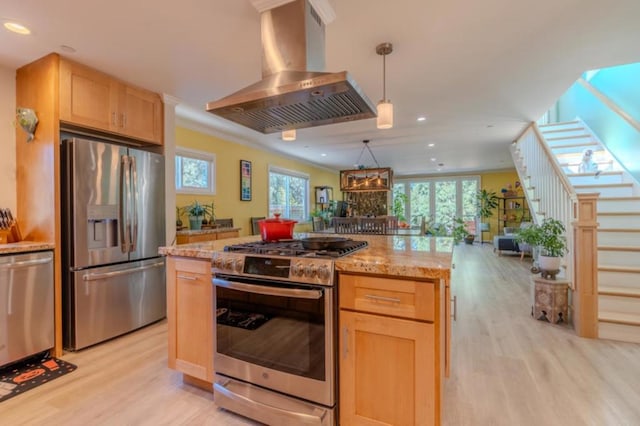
(277, 335)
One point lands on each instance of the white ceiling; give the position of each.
(479, 70)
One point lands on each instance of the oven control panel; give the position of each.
(293, 269)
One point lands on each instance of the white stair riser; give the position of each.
(616, 191)
(615, 206)
(626, 239)
(619, 279)
(624, 221)
(617, 304)
(620, 332)
(593, 180)
(618, 258)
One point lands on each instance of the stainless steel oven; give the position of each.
(276, 321)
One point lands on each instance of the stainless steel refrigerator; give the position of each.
(113, 223)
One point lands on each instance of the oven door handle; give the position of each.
(269, 291)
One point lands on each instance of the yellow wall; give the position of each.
(8, 139)
(496, 181)
(227, 198)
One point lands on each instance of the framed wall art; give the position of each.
(245, 180)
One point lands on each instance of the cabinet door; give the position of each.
(141, 114)
(190, 317)
(387, 371)
(87, 97)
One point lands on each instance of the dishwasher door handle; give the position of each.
(25, 263)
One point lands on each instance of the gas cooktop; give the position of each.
(285, 260)
(295, 248)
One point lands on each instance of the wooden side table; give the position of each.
(550, 300)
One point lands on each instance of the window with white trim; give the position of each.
(289, 194)
(195, 172)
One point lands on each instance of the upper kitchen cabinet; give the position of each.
(92, 99)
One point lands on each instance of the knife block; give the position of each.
(11, 235)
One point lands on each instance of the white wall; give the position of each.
(7, 139)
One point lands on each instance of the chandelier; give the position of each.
(366, 179)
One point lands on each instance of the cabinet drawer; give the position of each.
(386, 296)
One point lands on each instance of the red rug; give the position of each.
(18, 378)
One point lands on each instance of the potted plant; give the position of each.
(197, 212)
(553, 244)
(459, 231)
(548, 238)
(487, 202)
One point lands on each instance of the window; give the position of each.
(289, 194)
(195, 172)
(438, 200)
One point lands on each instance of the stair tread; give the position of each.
(619, 248)
(582, 136)
(606, 316)
(619, 213)
(634, 198)
(571, 145)
(612, 268)
(607, 185)
(626, 230)
(577, 163)
(618, 291)
(607, 173)
(564, 129)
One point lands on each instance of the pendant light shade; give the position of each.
(385, 115)
(385, 107)
(289, 135)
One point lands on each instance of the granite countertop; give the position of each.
(25, 247)
(206, 231)
(393, 255)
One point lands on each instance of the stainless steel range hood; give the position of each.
(293, 93)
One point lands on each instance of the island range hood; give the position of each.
(293, 93)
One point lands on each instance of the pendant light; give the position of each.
(385, 107)
(289, 135)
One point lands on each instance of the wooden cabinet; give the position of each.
(190, 317)
(389, 351)
(206, 236)
(89, 98)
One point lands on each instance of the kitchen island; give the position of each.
(393, 295)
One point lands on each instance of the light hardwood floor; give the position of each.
(507, 368)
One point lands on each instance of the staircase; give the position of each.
(618, 231)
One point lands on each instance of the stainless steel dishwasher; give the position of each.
(26, 305)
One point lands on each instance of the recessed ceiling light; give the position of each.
(323, 155)
(422, 118)
(433, 159)
(431, 145)
(17, 28)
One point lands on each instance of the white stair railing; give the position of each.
(547, 189)
(550, 194)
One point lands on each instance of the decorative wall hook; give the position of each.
(28, 120)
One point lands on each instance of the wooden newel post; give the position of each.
(585, 295)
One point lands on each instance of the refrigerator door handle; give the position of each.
(134, 203)
(101, 276)
(124, 204)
